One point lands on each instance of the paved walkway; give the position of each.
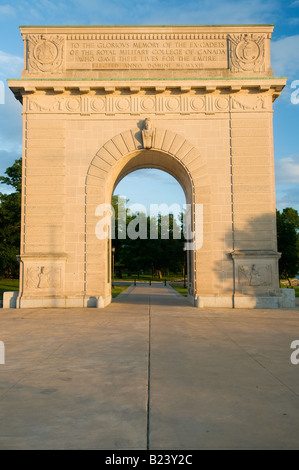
(149, 371)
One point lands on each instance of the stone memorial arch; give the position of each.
(100, 102)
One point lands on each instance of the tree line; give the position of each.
(10, 222)
(163, 254)
(287, 222)
(159, 255)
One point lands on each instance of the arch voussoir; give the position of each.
(184, 150)
(112, 149)
(176, 144)
(192, 155)
(168, 140)
(120, 144)
(128, 140)
(159, 135)
(92, 180)
(106, 156)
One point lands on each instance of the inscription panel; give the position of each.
(95, 51)
(146, 54)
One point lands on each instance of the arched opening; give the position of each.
(151, 186)
(151, 206)
(159, 250)
(120, 156)
(160, 161)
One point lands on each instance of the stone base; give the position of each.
(11, 300)
(97, 302)
(285, 300)
(212, 301)
(288, 298)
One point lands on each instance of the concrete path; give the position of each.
(149, 371)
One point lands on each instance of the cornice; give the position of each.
(21, 87)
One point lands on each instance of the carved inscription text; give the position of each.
(138, 54)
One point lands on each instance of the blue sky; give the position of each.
(147, 184)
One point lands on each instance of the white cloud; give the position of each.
(287, 196)
(287, 170)
(285, 56)
(7, 10)
(43, 11)
(10, 65)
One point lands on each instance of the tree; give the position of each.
(292, 216)
(10, 221)
(155, 255)
(288, 242)
(14, 176)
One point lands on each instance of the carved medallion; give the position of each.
(45, 54)
(148, 104)
(222, 104)
(98, 105)
(172, 104)
(123, 104)
(73, 104)
(247, 53)
(197, 104)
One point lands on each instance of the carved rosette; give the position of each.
(246, 53)
(45, 53)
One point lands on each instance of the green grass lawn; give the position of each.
(180, 289)
(7, 285)
(116, 290)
